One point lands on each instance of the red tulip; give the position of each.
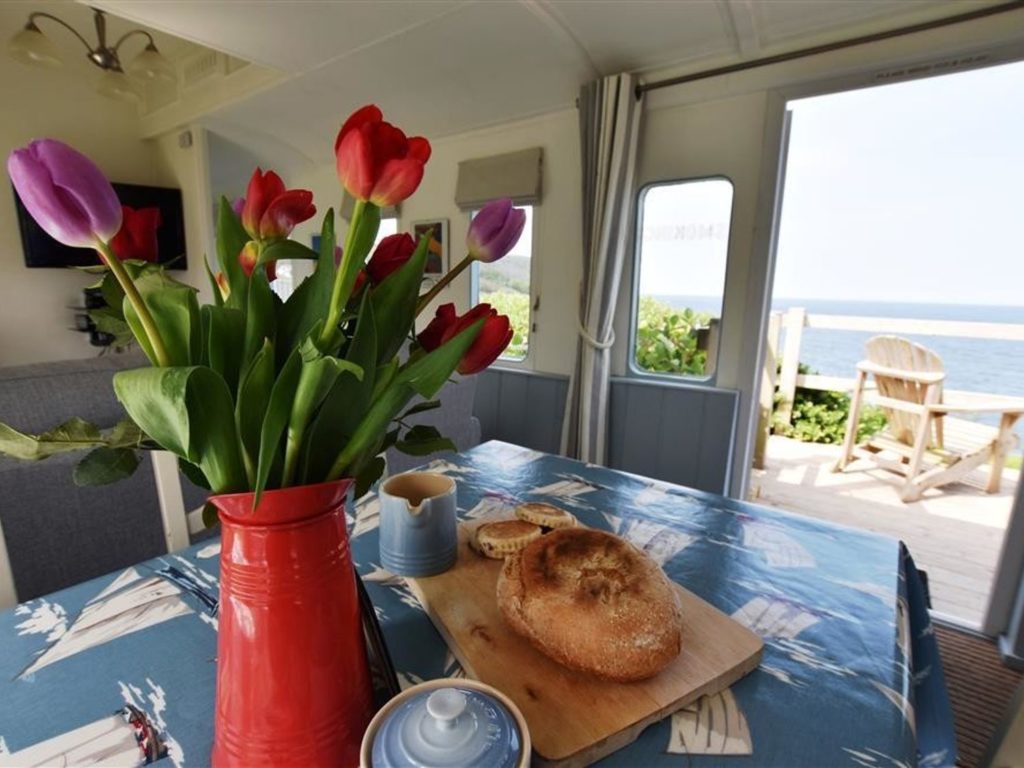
(375, 160)
(250, 255)
(492, 340)
(272, 211)
(390, 255)
(360, 282)
(430, 337)
(137, 236)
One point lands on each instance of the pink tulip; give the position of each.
(495, 230)
(67, 195)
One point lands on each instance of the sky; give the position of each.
(912, 192)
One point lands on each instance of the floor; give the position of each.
(980, 689)
(954, 533)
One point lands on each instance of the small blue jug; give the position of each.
(418, 535)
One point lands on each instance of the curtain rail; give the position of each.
(980, 13)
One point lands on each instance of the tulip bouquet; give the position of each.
(252, 392)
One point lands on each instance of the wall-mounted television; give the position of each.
(41, 250)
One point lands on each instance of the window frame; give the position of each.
(633, 369)
(534, 294)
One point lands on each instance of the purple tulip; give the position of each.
(67, 195)
(494, 230)
(238, 205)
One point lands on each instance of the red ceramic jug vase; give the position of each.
(293, 684)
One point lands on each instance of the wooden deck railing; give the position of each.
(788, 378)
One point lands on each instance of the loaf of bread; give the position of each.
(592, 602)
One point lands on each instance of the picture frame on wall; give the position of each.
(42, 251)
(437, 257)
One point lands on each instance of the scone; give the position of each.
(545, 515)
(592, 602)
(504, 537)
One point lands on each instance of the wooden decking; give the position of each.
(954, 533)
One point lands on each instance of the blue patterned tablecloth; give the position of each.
(850, 676)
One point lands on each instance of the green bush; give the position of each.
(820, 416)
(517, 306)
(666, 339)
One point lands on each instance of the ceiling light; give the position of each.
(151, 65)
(31, 46)
(117, 85)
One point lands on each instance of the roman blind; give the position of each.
(515, 174)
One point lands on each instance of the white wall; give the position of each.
(44, 103)
(36, 318)
(185, 167)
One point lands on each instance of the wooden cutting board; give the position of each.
(576, 719)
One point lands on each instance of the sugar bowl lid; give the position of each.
(445, 723)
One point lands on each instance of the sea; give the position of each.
(974, 365)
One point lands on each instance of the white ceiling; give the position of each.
(439, 67)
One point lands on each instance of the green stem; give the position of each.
(156, 341)
(441, 284)
(342, 288)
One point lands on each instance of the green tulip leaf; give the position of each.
(218, 297)
(318, 377)
(345, 404)
(373, 424)
(193, 473)
(111, 320)
(424, 376)
(231, 239)
(309, 302)
(259, 319)
(210, 515)
(427, 374)
(368, 475)
(111, 289)
(423, 440)
(394, 302)
(359, 240)
(175, 309)
(426, 405)
(225, 333)
(254, 390)
(283, 248)
(187, 411)
(75, 434)
(103, 466)
(275, 421)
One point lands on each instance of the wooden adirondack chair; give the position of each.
(922, 441)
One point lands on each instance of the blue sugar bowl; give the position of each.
(447, 723)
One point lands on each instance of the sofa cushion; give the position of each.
(35, 398)
(59, 534)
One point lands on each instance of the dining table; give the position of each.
(120, 670)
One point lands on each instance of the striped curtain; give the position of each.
(609, 133)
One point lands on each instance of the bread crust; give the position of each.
(593, 602)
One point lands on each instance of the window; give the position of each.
(505, 285)
(290, 273)
(683, 234)
(387, 227)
